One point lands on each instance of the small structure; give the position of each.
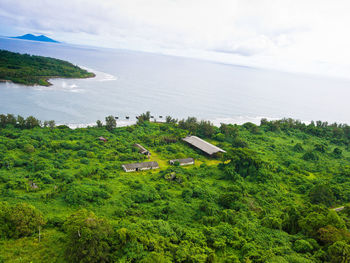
(142, 149)
(202, 145)
(186, 161)
(102, 139)
(338, 209)
(170, 177)
(135, 167)
(33, 185)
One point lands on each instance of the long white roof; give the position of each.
(131, 166)
(203, 145)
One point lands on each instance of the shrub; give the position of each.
(187, 195)
(110, 123)
(310, 156)
(80, 194)
(272, 222)
(88, 238)
(28, 148)
(228, 200)
(19, 220)
(321, 148)
(298, 148)
(337, 152)
(302, 246)
(322, 194)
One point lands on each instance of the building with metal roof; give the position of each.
(135, 167)
(142, 149)
(202, 145)
(186, 161)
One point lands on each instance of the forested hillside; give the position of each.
(36, 70)
(270, 198)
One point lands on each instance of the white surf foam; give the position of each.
(100, 76)
(244, 119)
(241, 120)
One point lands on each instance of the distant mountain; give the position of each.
(41, 38)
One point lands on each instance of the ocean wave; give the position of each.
(217, 121)
(240, 120)
(85, 125)
(60, 85)
(244, 119)
(99, 75)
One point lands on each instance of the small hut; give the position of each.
(142, 149)
(135, 167)
(186, 161)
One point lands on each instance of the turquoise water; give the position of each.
(129, 83)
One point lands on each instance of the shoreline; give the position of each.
(216, 122)
(47, 79)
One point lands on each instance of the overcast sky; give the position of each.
(298, 35)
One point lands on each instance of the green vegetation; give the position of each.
(270, 198)
(36, 70)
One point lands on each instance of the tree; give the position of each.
(330, 234)
(253, 128)
(11, 119)
(21, 122)
(99, 124)
(169, 119)
(144, 117)
(51, 124)
(111, 123)
(321, 148)
(337, 152)
(3, 120)
(88, 238)
(245, 161)
(20, 220)
(311, 223)
(339, 252)
(322, 194)
(310, 156)
(298, 148)
(32, 122)
(290, 216)
(206, 129)
(191, 124)
(229, 130)
(302, 246)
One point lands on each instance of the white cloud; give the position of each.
(291, 35)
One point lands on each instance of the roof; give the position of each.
(142, 149)
(203, 145)
(186, 160)
(131, 166)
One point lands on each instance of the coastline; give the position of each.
(216, 122)
(47, 79)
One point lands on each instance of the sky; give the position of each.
(309, 36)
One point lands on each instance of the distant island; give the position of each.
(36, 70)
(41, 38)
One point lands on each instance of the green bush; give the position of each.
(88, 238)
(302, 246)
(19, 220)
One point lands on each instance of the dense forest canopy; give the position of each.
(36, 70)
(270, 198)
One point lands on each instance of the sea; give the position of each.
(129, 83)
